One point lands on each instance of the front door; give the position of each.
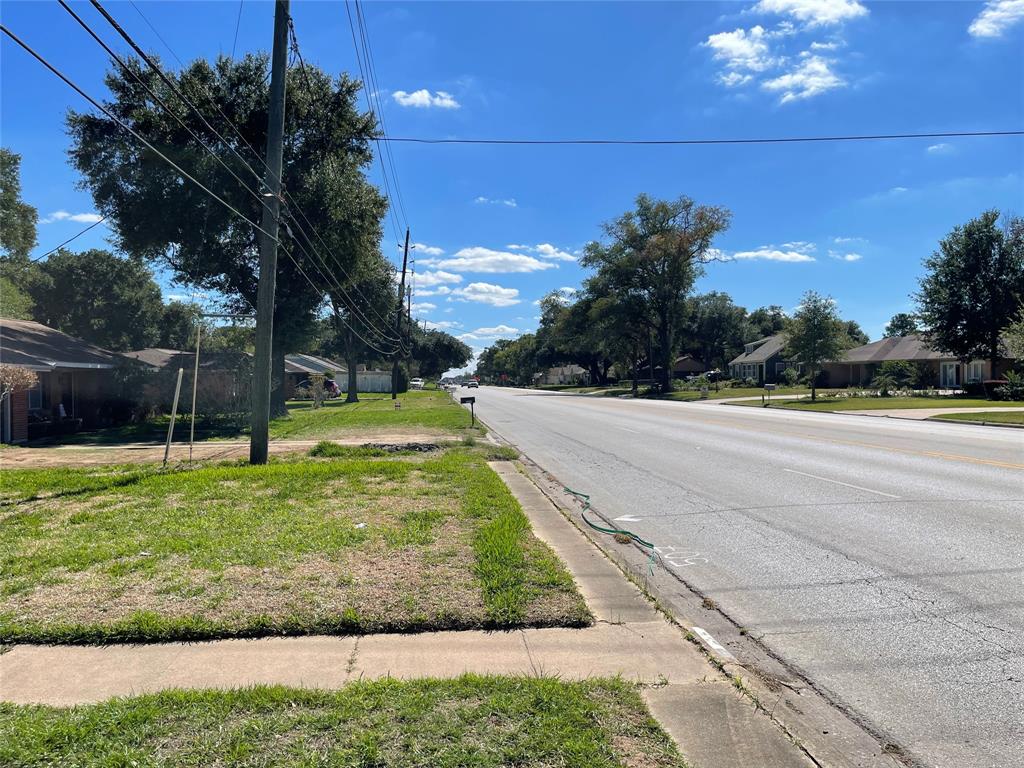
(948, 375)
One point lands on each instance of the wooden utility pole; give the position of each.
(398, 319)
(258, 446)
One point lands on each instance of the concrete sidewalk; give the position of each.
(920, 414)
(713, 723)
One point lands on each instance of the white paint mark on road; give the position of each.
(673, 556)
(624, 429)
(840, 482)
(628, 519)
(713, 644)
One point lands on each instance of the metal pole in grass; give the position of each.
(195, 386)
(174, 414)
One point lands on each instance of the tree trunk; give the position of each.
(814, 389)
(278, 401)
(636, 365)
(665, 340)
(352, 396)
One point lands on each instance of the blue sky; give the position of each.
(498, 227)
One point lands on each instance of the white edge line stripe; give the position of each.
(624, 429)
(713, 644)
(840, 482)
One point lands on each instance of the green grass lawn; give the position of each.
(726, 392)
(1001, 417)
(429, 411)
(306, 545)
(485, 722)
(882, 403)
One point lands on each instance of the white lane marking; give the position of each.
(628, 519)
(624, 429)
(840, 482)
(713, 644)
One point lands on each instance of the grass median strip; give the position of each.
(881, 403)
(1000, 417)
(480, 721)
(340, 545)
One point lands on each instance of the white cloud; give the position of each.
(430, 250)
(81, 218)
(800, 246)
(423, 306)
(814, 13)
(742, 49)
(478, 259)
(544, 251)
(898, 190)
(768, 253)
(508, 202)
(497, 330)
(939, 149)
(811, 77)
(422, 99)
(841, 240)
(436, 277)
(996, 18)
(835, 45)
(441, 290)
(844, 256)
(733, 79)
(442, 325)
(488, 293)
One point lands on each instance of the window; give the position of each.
(35, 397)
(780, 367)
(975, 371)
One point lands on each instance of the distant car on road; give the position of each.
(416, 383)
(472, 384)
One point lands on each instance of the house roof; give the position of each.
(310, 364)
(40, 348)
(912, 347)
(158, 357)
(766, 349)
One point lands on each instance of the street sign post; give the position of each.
(472, 413)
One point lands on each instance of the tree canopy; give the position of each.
(973, 287)
(435, 352)
(104, 299)
(158, 216)
(901, 324)
(17, 218)
(816, 335)
(652, 257)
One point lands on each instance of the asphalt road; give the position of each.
(883, 559)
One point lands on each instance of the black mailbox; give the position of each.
(465, 400)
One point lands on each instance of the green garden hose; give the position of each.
(585, 498)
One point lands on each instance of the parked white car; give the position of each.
(416, 384)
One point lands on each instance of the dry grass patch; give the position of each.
(304, 546)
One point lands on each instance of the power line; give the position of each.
(73, 237)
(128, 128)
(238, 23)
(698, 142)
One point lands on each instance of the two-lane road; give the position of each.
(884, 559)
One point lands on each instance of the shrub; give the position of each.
(790, 377)
(1013, 389)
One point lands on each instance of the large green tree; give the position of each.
(767, 321)
(652, 256)
(156, 215)
(572, 330)
(973, 286)
(816, 335)
(435, 352)
(17, 218)
(107, 300)
(15, 303)
(718, 328)
(178, 325)
(901, 324)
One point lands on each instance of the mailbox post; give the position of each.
(768, 394)
(472, 413)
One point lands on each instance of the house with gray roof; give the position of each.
(859, 365)
(762, 360)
